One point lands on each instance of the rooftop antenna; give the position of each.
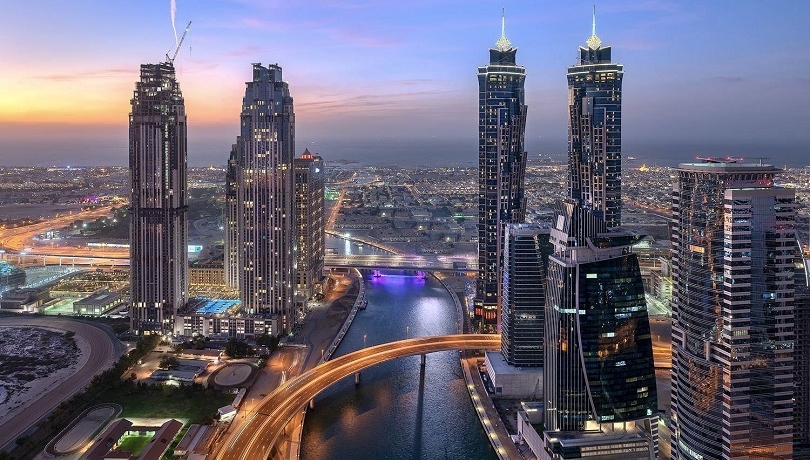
(593, 27)
(171, 59)
(503, 22)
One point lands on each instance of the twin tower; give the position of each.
(274, 243)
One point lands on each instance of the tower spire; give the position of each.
(594, 42)
(503, 43)
(503, 22)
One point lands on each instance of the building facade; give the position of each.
(502, 166)
(231, 219)
(309, 227)
(733, 257)
(523, 299)
(264, 197)
(599, 372)
(599, 383)
(595, 131)
(159, 201)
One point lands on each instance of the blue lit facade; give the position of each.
(502, 166)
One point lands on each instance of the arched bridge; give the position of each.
(256, 437)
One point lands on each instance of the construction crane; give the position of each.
(170, 60)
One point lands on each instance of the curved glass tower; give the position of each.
(733, 257)
(502, 167)
(158, 156)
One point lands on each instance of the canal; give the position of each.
(400, 410)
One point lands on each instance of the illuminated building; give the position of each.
(231, 219)
(502, 167)
(600, 395)
(264, 197)
(733, 257)
(309, 223)
(159, 201)
(801, 360)
(595, 131)
(526, 251)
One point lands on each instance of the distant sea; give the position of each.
(405, 153)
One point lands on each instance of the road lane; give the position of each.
(263, 429)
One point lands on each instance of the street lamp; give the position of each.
(364, 340)
(407, 331)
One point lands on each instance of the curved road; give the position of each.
(257, 436)
(105, 349)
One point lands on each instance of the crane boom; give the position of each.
(179, 44)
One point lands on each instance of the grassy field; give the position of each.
(184, 404)
(134, 444)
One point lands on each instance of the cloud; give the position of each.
(90, 74)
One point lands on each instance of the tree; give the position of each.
(238, 349)
(169, 361)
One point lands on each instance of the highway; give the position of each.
(15, 239)
(259, 433)
(104, 350)
(426, 262)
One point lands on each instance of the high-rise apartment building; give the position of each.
(309, 226)
(595, 131)
(231, 218)
(600, 395)
(523, 299)
(801, 359)
(502, 165)
(159, 202)
(264, 197)
(733, 257)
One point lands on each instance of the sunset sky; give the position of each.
(718, 77)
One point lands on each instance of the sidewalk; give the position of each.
(485, 409)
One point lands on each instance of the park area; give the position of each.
(188, 403)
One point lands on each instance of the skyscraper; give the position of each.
(523, 300)
(231, 219)
(264, 197)
(733, 257)
(159, 202)
(600, 395)
(595, 131)
(502, 165)
(309, 225)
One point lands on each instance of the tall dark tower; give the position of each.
(501, 166)
(159, 208)
(599, 386)
(595, 131)
(264, 197)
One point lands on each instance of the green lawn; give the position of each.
(134, 444)
(179, 403)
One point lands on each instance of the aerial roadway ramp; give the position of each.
(257, 436)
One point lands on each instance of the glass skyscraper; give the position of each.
(264, 197)
(159, 201)
(502, 165)
(310, 181)
(734, 259)
(600, 395)
(523, 297)
(595, 131)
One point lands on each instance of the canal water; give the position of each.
(400, 410)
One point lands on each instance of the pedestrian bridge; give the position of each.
(408, 262)
(263, 427)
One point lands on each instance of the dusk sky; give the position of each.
(395, 81)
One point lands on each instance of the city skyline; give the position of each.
(359, 59)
